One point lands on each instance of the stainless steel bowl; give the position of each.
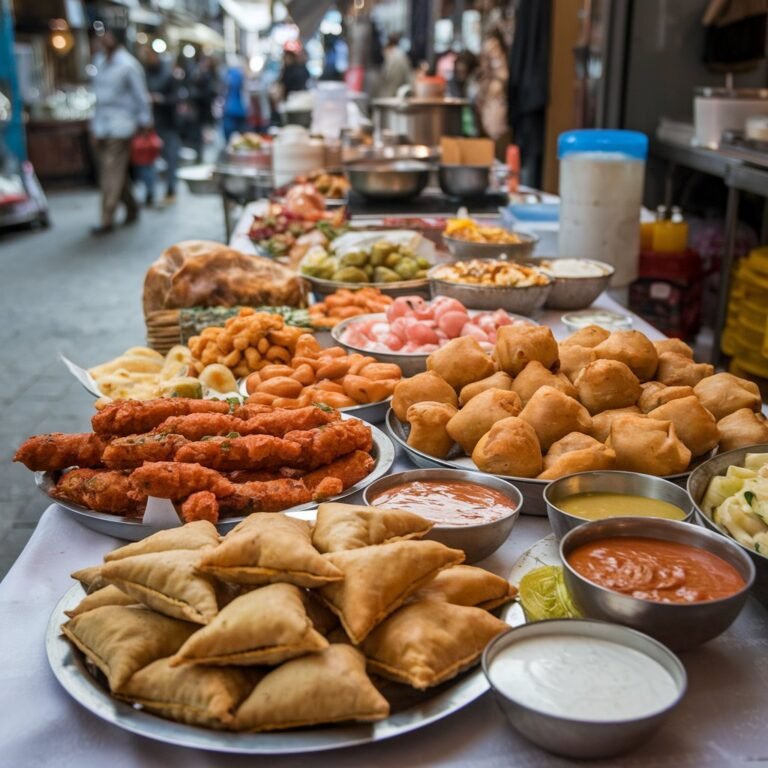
(478, 541)
(464, 250)
(576, 292)
(678, 625)
(397, 180)
(582, 739)
(698, 481)
(322, 287)
(464, 180)
(633, 483)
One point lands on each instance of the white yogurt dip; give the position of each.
(573, 268)
(582, 678)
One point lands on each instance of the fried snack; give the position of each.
(460, 362)
(589, 336)
(648, 445)
(742, 427)
(601, 422)
(57, 450)
(470, 586)
(573, 358)
(348, 470)
(202, 506)
(631, 348)
(90, 578)
(673, 345)
(130, 452)
(134, 417)
(724, 394)
(676, 370)
(322, 446)
(576, 452)
(553, 415)
(428, 432)
(109, 595)
(219, 378)
(606, 385)
(480, 414)
(101, 490)
(654, 394)
(694, 424)
(197, 535)
(229, 453)
(420, 388)
(346, 303)
(175, 481)
(510, 447)
(196, 426)
(498, 380)
(518, 344)
(534, 376)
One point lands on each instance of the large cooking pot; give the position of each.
(423, 121)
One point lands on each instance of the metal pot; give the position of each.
(423, 121)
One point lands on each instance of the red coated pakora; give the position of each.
(57, 450)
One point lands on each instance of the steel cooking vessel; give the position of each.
(423, 121)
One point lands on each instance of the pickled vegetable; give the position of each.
(544, 596)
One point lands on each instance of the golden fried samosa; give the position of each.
(655, 394)
(109, 595)
(460, 362)
(196, 535)
(673, 345)
(724, 393)
(535, 376)
(498, 380)
(553, 415)
(468, 585)
(632, 348)
(518, 344)
(468, 425)
(429, 433)
(694, 424)
(601, 422)
(606, 385)
(576, 452)
(742, 427)
(90, 578)
(573, 358)
(420, 388)
(648, 445)
(589, 336)
(510, 447)
(676, 370)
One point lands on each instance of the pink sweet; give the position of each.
(451, 322)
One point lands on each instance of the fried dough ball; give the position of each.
(517, 345)
(694, 424)
(601, 422)
(510, 447)
(576, 453)
(553, 415)
(632, 348)
(419, 388)
(648, 445)
(742, 427)
(460, 362)
(589, 336)
(676, 370)
(535, 376)
(498, 380)
(573, 358)
(673, 345)
(480, 414)
(428, 421)
(607, 384)
(655, 394)
(724, 394)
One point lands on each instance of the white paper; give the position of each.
(160, 513)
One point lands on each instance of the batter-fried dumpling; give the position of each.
(517, 345)
(576, 453)
(265, 626)
(606, 385)
(694, 424)
(326, 687)
(460, 362)
(676, 370)
(589, 336)
(498, 380)
(420, 388)
(91, 578)
(468, 585)
(480, 414)
(648, 445)
(196, 535)
(268, 547)
(510, 447)
(120, 640)
(632, 348)
(601, 422)
(167, 582)
(428, 642)
(655, 394)
(573, 358)
(339, 527)
(428, 433)
(535, 376)
(673, 345)
(742, 427)
(553, 415)
(109, 595)
(194, 695)
(377, 580)
(724, 393)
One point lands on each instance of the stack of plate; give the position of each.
(163, 331)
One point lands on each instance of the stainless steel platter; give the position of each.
(130, 529)
(411, 709)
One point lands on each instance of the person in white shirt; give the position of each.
(122, 108)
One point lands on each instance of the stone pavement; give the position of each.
(62, 290)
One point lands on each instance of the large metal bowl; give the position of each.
(698, 481)
(464, 250)
(478, 541)
(633, 483)
(575, 292)
(678, 625)
(397, 180)
(322, 287)
(582, 739)
(464, 180)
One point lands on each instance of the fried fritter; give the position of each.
(58, 450)
(348, 470)
(101, 490)
(202, 505)
(271, 496)
(280, 421)
(324, 445)
(133, 451)
(249, 452)
(171, 480)
(134, 417)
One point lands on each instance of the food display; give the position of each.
(572, 268)
(194, 320)
(470, 230)
(491, 273)
(247, 142)
(598, 505)
(346, 303)
(330, 185)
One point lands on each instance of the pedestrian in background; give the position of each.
(235, 112)
(396, 70)
(122, 108)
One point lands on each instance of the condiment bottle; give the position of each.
(670, 233)
(513, 166)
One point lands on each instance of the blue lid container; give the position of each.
(630, 143)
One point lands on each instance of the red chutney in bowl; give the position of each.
(656, 570)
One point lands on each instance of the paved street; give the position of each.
(62, 290)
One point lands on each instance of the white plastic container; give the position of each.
(294, 153)
(601, 189)
(723, 109)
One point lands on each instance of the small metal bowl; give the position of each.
(464, 180)
(678, 625)
(633, 483)
(575, 292)
(464, 250)
(478, 541)
(396, 180)
(582, 739)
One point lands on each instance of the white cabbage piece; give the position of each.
(741, 472)
(718, 490)
(756, 461)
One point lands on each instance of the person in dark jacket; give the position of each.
(294, 76)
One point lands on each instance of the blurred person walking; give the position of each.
(122, 108)
(294, 75)
(235, 110)
(396, 70)
(492, 80)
